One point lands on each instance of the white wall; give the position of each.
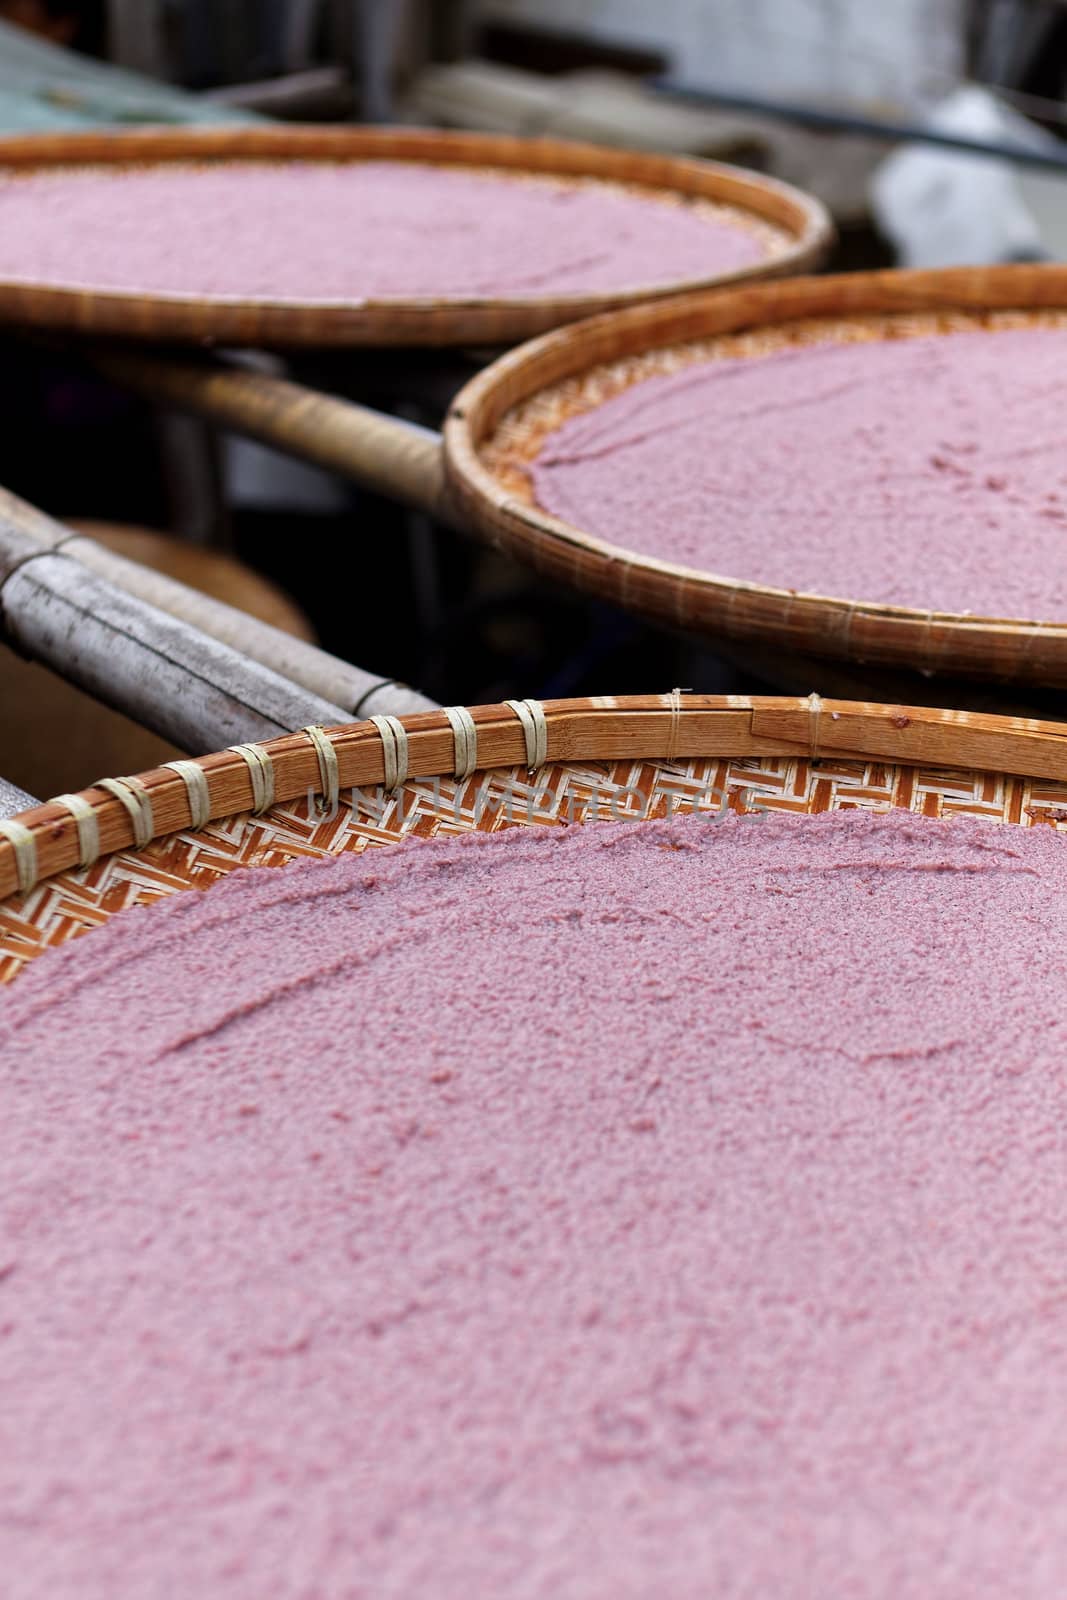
(903, 52)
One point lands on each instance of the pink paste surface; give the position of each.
(649, 1209)
(926, 472)
(316, 231)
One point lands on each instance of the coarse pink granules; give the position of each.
(644, 1209)
(926, 472)
(318, 231)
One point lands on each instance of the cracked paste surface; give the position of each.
(645, 1209)
(926, 472)
(334, 231)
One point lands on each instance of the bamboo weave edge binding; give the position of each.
(196, 788)
(395, 756)
(531, 713)
(134, 797)
(261, 772)
(465, 734)
(329, 773)
(87, 825)
(815, 712)
(760, 726)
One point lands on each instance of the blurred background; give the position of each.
(932, 129)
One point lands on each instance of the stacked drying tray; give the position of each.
(586, 1203)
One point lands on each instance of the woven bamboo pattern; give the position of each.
(75, 902)
(501, 417)
(563, 793)
(793, 229)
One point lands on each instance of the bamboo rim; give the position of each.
(801, 221)
(1006, 649)
(801, 754)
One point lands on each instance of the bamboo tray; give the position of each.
(795, 229)
(512, 765)
(474, 477)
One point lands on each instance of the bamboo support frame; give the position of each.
(349, 688)
(649, 727)
(401, 460)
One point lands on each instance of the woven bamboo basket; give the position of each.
(795, 231)
(521, 764)
(475, 477)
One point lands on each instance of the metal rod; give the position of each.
(847, 122)
(13, 800)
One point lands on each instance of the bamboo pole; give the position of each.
(353, 690)
(398, 459)
(166, 675)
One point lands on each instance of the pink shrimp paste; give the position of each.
(320, 231)
(923, 472)
(640, 1209)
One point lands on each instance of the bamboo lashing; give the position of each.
(329, 784)
(260, 776)
(531, 713)
(355, 691)
(465, 732)
(135, 799)
(196, 788)
(394, 752)
(88, 828)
